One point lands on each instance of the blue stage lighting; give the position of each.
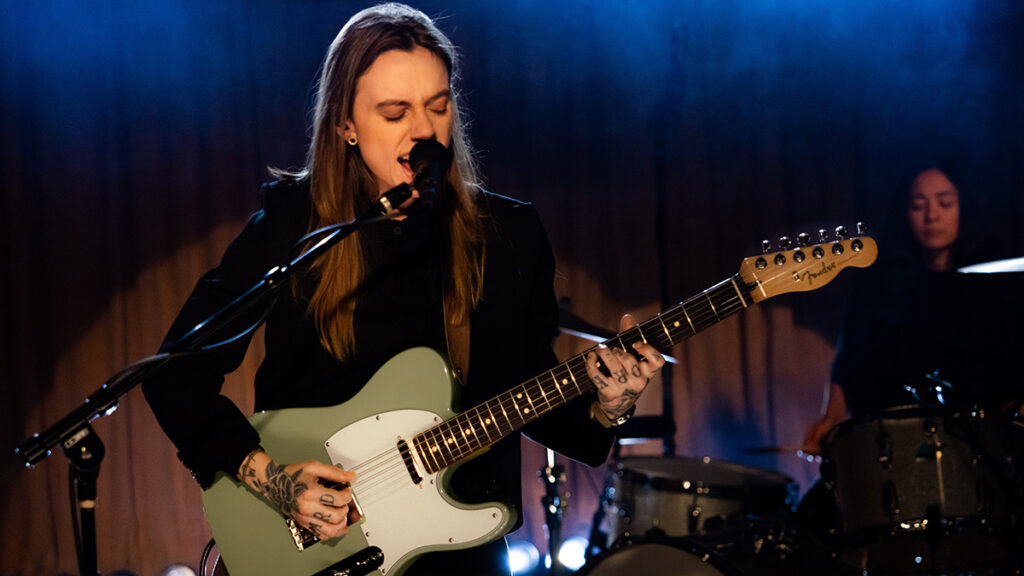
(573, 552)
(523, 557)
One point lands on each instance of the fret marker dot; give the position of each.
(520, 395)
(676, 323)
(487, 421)
(565, 380)
(526, 410)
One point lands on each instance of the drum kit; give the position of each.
(920, 489)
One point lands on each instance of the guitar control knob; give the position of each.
(822, 235)
(862, 229)
(841, 232)
(766, 246)
(785, 242)
(803, 239)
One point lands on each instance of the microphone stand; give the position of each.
(83, 447)
(554, 504)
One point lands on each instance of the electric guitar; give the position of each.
(403, 440)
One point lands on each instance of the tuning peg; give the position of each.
(803, 239)
(840, 232)
(785, 242)
(822, 235)
(862, 229)
(766, 246)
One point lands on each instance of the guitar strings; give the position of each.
(387, 469)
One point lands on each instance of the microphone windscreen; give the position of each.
(429, 153)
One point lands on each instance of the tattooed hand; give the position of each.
(312, 493)
(618, 376)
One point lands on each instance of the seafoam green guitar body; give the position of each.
(412, 392)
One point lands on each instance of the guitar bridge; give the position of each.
(302, 537)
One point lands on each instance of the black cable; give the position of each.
(205, 557)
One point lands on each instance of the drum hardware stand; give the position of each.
(554, 505)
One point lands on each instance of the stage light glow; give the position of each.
(179, 570)
(523, 557)
(573, 552)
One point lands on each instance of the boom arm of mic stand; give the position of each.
(105, 400)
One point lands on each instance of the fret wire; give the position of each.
(532, 408)
(712, 304)
(483, 424)
(540, 386)
(682, 306)
(452, 440)
(493, 419)
(518, 413)
(418, 442)
(666, 330)
(572, 376)
(471, 436)
(558, 386)
(442, 447)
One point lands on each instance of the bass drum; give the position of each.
(685, 496)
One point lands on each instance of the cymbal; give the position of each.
(795, 450)
(995, 266)
(573, 325)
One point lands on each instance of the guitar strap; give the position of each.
(457, 338)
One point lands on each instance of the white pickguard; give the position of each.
(400, 516)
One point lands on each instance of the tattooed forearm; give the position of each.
(248, 470)
(281, 489)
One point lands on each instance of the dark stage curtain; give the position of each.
(133, 138)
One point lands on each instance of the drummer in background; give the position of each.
(906, 318)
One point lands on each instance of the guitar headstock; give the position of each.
(806, 265)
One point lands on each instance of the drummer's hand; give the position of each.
(815, 432)
(621, 377)
(296, 490)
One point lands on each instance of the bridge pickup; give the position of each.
(403, 449)
(302, 537)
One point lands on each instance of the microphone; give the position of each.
(429, 160)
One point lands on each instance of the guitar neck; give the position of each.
(458, 438)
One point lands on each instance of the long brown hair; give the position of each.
(342, 185)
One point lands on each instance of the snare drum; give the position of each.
(680, 496)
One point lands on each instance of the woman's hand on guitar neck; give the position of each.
(316, 496)
(620, 377)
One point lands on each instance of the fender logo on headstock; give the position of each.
(806, 265)
(812, 275)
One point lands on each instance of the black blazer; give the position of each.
(511, 333)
